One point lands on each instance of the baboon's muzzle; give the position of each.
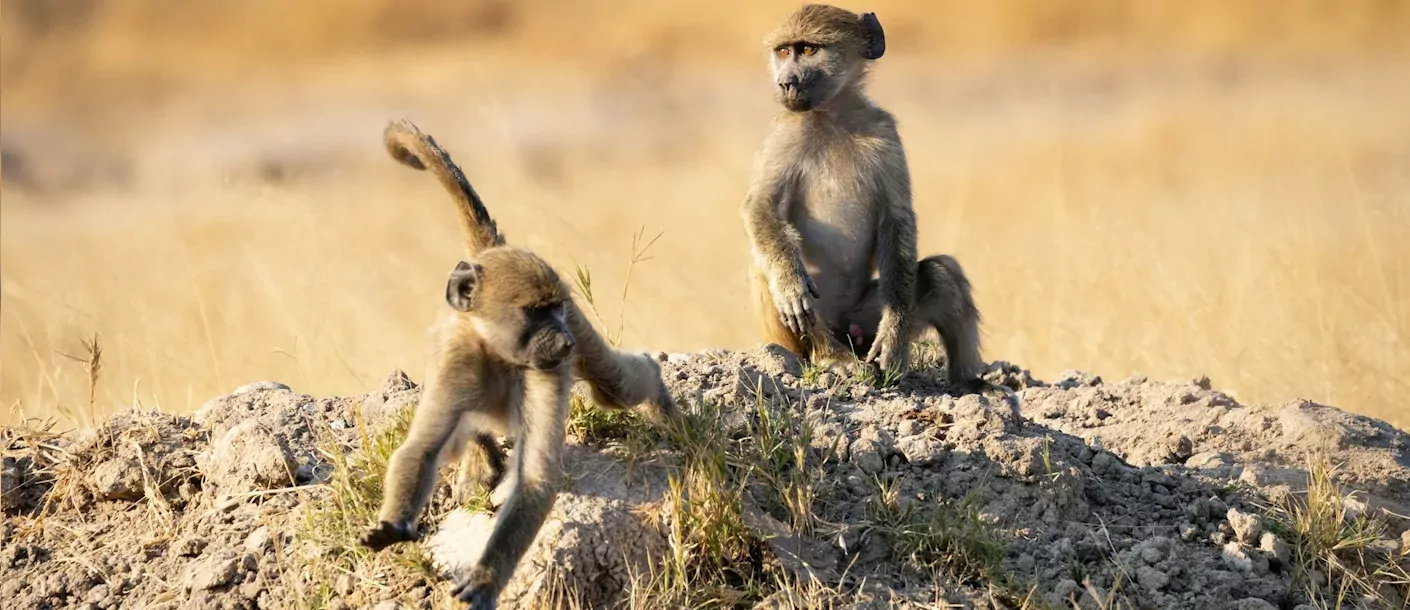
(550, 348)
(794, 93)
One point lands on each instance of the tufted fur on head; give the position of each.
(830, 26)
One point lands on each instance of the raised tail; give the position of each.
(418, 150)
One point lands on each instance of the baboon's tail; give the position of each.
(418, 150)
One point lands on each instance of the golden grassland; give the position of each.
(1184, 189)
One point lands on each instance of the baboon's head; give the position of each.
(819, 51)
(517, 304)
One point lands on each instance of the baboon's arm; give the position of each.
(895, 264)
(777, 246)
(411, 472)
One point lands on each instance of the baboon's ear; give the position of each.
(460, 288)
(875, 45)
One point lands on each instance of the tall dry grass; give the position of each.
(1184, 189)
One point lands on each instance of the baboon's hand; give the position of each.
(477, 590)
(794, 299)
(385, 534)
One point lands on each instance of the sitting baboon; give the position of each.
(830, 205)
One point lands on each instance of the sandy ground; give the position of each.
(1079, 493)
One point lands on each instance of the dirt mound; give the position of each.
(1135, 494)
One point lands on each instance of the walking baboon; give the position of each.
(504, 361)
(830, 205)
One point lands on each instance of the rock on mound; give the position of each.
(1145, 494)
(592, 543)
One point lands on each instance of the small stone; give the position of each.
(1235, 557)
(261, 386)
(979, 413)
(118, 479)
(1253, 603)
(866, 454)
(211, 573)
(1103, 463)
(248, 457)
(258, 541)
(386, 605)
(98, 594)
(1151, 578)
(1180, 448)
(1247, 528)
(921, 450)
(909, 427)
(1152, 554)
(10, 478)
(831, 440)
(397, 381)
(1209, 460)
(1278, 551)
(189, 547)
(251, 589)
(774, 360)
(343, 585)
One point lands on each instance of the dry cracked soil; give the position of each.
(1082, 493)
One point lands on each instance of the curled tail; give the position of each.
(418, 150)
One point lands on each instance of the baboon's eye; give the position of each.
(782, 52)
(554, 310)
(809, 49)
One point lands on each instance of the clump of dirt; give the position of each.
(1075, 493)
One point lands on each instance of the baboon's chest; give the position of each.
(834, 211)
(835, 190)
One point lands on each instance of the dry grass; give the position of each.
(328, 555)
(1336, 557)
(1229, 197)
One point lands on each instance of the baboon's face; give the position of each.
(807, 75)
(545, 341)
(517, 304)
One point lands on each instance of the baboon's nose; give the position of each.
(563, 346)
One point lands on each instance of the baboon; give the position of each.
(830, 205)
(505, 357)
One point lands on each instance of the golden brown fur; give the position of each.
(829, 215)
(503, 364)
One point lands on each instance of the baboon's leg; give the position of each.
(537, 454)
(943, 302)
(411, 472)
(482, 464)
(820, 346)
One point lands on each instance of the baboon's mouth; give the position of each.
(797, 103)
(547, 363)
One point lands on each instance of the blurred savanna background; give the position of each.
(1168, 188)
